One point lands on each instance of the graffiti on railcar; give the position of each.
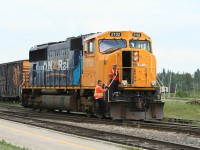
(16, 74)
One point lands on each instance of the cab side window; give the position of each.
(90, 47)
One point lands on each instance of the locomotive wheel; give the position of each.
(50, 110)
(89, 114)
(68, 111)
(40, 109)
(101, 116)
(33, 108)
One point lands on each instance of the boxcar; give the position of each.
(13, 75)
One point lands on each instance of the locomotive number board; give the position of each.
(136, 34)
(115, 34)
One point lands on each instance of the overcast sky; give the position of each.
(173, 25)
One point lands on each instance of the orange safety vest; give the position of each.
(98, 93)
(114, 72)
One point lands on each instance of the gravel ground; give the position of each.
(173, 137)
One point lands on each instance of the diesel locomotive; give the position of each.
(63, 75)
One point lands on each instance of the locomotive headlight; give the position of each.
(124, 82)
(153, 83)
(135, 53)
(135, 58)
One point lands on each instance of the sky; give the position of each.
(173, 25)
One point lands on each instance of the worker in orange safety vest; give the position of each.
(98, 95)
(114, 79)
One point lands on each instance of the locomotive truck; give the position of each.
(63, 75)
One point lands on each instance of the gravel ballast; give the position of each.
(172, 137)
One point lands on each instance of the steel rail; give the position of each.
(149, 124)
(96, 134)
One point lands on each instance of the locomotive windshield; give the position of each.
(140, 44)
(110, 45)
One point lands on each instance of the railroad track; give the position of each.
(150, 124)
(96, 134)
(173, 120)
(170, 126)
(14, 107)
(147, 124)
(184, 121)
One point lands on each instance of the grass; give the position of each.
(130, 148)
(7, 146)
(181, 110)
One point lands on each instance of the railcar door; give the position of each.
(34, 74)
(127, 67)
(89, 65)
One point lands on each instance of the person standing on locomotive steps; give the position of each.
(98, 95)
(114, 79)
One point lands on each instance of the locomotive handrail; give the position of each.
(111, 83)
(150, 68)
(137, 67)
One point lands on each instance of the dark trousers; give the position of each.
(114, 86)
(102, 106)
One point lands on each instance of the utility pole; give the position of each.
(175, 89)
(170, 77)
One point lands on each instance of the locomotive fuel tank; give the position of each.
(59, 102)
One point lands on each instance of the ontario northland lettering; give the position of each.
(54, 65)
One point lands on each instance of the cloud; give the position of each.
(172, 25)
(178, 61)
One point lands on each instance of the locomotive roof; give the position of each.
(43, 46)
(17, 61)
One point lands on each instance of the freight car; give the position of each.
(63, 75)
(12, 77)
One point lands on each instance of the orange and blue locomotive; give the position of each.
(63, 75)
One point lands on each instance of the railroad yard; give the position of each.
(146, 134)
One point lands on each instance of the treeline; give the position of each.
(182, 84)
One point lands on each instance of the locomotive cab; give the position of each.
(137, 96)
